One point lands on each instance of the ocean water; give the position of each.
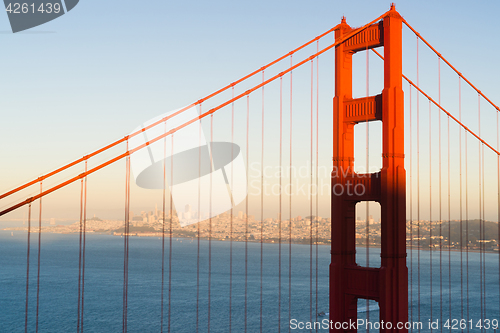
(104, 285)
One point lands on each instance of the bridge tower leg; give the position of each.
(388, 284)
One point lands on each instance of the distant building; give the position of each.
(187, 212)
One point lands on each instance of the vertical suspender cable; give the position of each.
(466, 228)
(246, 219)
(481, 217)
(440, 209)
(262, 205)
(127, 237)
(311, 202)
(27, 271)
(279, 205)
(418, 188)
(411, 214)
(430, 209)
(367, 227)
(483, 220)
(449, 221)
(484, 230)
(290, 206)
(128, 240)
(210, 226)
(461, 221)
(198, 229)
(124, 249)
(484, 315)
(125, 259)
(466, 214)
(170, 237)
(163, 226)
(84, 244)
(39, 248)
(498, 205)
(80, 259)
(317, 169)
(231, 221)
(125, 242)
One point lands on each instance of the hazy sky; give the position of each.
(93, 75)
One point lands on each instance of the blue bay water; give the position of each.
(104, 284)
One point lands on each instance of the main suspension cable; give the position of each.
(451, 66)
(124, 139)
(458, 121)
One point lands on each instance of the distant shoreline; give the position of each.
(265, 241)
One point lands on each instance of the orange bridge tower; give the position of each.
(387, 284)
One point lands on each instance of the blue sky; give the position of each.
(83, 80)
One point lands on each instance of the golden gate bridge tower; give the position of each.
(388, 285)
